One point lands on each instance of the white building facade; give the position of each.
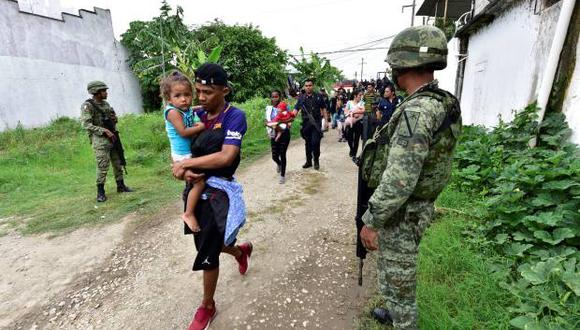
(46, 63)
(507, 47)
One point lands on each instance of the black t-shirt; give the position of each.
(313, 104)
(332, 108)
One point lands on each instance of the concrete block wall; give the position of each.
(46, 63)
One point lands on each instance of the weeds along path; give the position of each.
(303, 270)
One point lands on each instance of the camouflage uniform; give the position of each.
(370, 117)
(421, 138)
(92, 121)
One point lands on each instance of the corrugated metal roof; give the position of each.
(455, 8)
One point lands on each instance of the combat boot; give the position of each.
(101, 193)
(382, 315)
(121, 187)
(316, 164)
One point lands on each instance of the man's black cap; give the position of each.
(211, 74)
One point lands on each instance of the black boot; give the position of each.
(307, 164)
(382, 315)
(316, 164)
(101, 193)
(121, 187)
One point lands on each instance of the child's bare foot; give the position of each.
(191, 222)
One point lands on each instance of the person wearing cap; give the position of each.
(408, 163)
(312, 106)
(100, 121)
(221, 210)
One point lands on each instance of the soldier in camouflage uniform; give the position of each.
(99, 119)
(408, 161)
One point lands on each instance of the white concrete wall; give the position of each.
(505, 64)
(571, 107)
(46, 63)
(447, 76)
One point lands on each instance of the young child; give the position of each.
(182, 125)
(280, 122)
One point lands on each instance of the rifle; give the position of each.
(110, 125)
(312, 121)
(362, 200)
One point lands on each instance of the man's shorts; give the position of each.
(211, 212)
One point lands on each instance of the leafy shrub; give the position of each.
(533, 202)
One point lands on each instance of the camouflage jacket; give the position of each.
(420, 153)
(93, 121)
(369, 99)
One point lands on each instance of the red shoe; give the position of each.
(244, 259)
(203, 317)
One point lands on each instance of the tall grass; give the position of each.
(47, 175)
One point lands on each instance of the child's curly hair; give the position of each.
(173, 77)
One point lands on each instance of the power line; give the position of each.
(345, 51)
(371, 42)
(350, 49)
(369, 46)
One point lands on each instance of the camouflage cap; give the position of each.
(95, 86)
(418, 46)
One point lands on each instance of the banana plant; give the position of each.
(315, 67)
(185, 59)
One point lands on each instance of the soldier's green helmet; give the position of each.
(95, 86)
(418, 46)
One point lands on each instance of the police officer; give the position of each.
(312, 106)
(414, 152)
(99, 119)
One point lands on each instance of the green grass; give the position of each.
(457, 288)
(47, 175)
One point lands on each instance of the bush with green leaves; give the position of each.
(533, 201)
(254, 62)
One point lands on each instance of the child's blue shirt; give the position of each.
(179, 145)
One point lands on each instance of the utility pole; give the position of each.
(445, 13)
(362, 64)
(412, 11)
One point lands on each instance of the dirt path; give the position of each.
(303, 271)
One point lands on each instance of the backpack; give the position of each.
(376, 150)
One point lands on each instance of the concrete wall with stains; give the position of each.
(46, 63)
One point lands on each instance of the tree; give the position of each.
(161, 45)
(317, 68)
(149, 46)
(255, 64)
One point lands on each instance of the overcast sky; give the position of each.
(319, 26)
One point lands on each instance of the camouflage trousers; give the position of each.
(105, 156)
(397, 261)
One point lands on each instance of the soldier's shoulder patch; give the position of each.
(408, 123)
(402, 142)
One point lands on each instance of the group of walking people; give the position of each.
(359, 115)
(403, 167)
(278, 119)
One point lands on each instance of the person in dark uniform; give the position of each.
(312, 106)
(387, 105)
(220, 210)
